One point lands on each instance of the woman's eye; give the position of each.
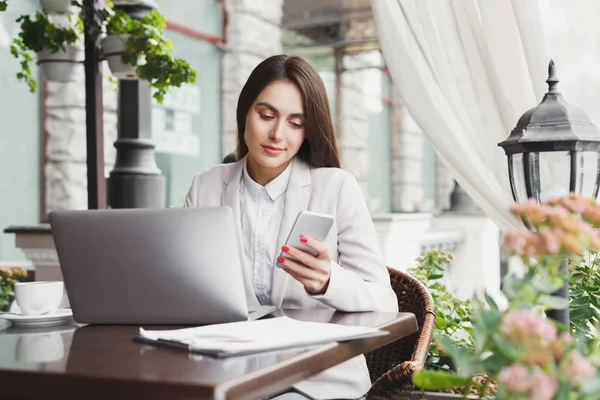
(266, 117)
(296, 125)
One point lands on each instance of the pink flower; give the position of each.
(516, 378)
(578, 369)
(573, 202)
(576, 205)
(543, 387)
(515, 240)
(551, 242)
(524, 324)
(562, 344)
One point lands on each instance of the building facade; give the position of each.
(42, 148)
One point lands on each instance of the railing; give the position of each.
(472, 238)
(442, 240)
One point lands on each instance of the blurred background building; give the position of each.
(42, 139)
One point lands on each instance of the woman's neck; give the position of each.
(263, 175)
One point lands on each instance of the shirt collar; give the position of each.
(274, 189)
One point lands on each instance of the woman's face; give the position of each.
(275, 128)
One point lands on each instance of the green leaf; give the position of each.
(438, 379)
(461, 356)
(590, 386)
(576, 293)
(576, 278)
(582, 301)
(493, 364)
(581, 327)
(491, 302)
(594, 301)
(505, 348)
(554, 302)
(563, 393)
(490, 318)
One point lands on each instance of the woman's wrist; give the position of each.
(320, 292)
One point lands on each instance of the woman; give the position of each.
(288, 162)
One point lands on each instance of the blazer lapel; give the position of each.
(231, 198)
(296, 199)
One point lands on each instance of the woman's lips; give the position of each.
(272, 150)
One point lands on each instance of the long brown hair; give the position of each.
(319, 148)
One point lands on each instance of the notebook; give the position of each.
(249, 337)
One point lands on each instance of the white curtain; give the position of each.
(468, 69)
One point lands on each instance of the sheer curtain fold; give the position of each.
(468, 69)
(433, 102)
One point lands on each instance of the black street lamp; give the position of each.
(135, 181)
(554, 150)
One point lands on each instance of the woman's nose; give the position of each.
(277, 131)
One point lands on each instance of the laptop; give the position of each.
(152, 266)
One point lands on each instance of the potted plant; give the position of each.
(518, 351)
(8, 278)
(57, 55)
(137, 49)
(453, 319)
(452, 315)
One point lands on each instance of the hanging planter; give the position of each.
(137, 48)
(113, 49)
(60, 66)
(56, 6)
(53, 44)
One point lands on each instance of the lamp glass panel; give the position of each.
(586, 172)
(555, 173)
(518, 177)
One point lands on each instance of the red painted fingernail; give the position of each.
(280, 260)
(285, 248)
(303, 239)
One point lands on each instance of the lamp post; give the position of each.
(553, 150)
(135, 181)
(94, 109)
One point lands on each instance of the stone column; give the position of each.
(253, 33)
(353, 132)
(444, 185)
(65, 147)
(408, 194)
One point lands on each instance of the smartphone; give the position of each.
(311, 224)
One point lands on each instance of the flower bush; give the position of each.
(518, 350)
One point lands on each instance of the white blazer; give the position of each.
(359, 280)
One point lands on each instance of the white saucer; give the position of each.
(59, 317)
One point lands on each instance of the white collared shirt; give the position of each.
(261, 213)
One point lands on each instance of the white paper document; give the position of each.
(247, 337)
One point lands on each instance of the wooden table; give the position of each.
(103, 362)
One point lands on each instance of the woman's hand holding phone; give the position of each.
(311, 271)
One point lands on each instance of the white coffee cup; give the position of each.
(35, 298)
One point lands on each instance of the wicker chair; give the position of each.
(391, 366)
